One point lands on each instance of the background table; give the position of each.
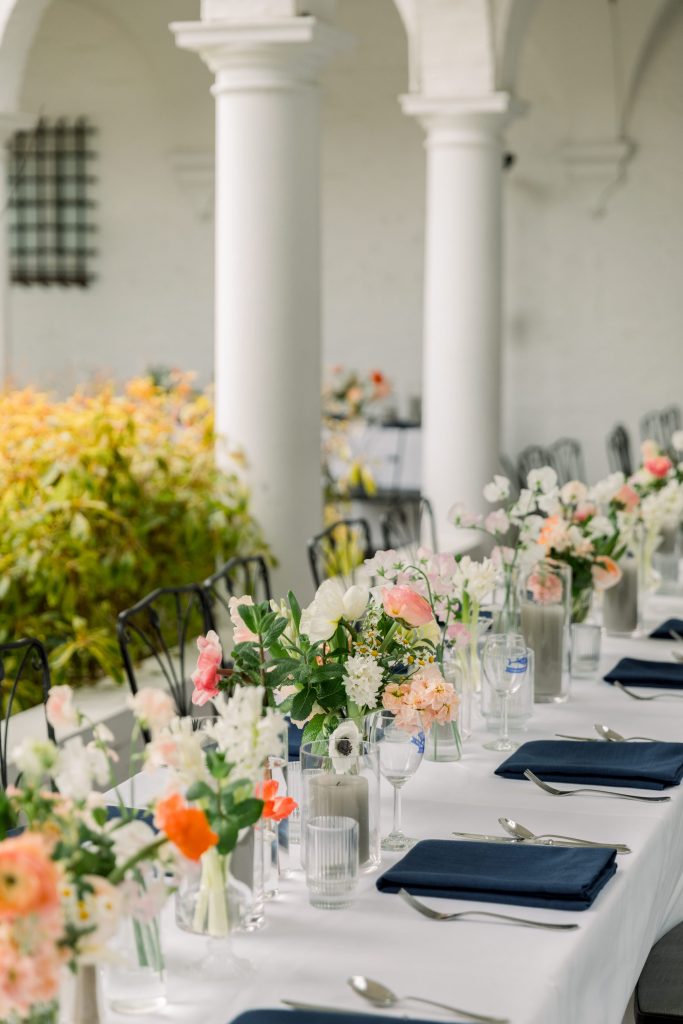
(532, 977)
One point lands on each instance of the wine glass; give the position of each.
(401, 742)
(505, 664)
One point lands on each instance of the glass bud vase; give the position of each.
(350, 793)
(506, 613)
(210, 900)
(581, 604)
(134, 979)
(546, 605)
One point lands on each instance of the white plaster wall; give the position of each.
(118, 64)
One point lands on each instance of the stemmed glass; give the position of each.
(401, 742)
(505, 664)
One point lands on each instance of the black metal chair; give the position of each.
(407, 524)
(619, 450)
(248, 575)
(340, 550)
(659, 992)
(164, 626)
(566, 458)
(654, 427)
(672, 420)
(534, 456)
(21, 662)
(510, 471)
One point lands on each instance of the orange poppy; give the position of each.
(274, 807)
(186, 827)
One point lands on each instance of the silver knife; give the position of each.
(568, 843)
(586, 739)
(325, 1009)
(486, 839)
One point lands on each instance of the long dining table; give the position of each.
(528, 976)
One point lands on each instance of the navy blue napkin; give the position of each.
(294, 734)
(663, 632)
(276, 1016)
(634, 672)
(635, 765)
(530, 876)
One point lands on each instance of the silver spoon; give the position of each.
(675, 636)
(677, 656)
(521, 832)
(637, 696)
(437, 915)
(615, 737)
(380, 995)
(588, 789)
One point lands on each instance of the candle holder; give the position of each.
(621, 604)
(546, 608)
(354, 793)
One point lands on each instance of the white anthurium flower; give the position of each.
(541, 481)
(497, 490)
(344, 746)
(600, 526)
(330, 604)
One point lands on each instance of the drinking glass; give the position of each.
(400, 739)
(505, 664)
(520, 705)
(585, 652)
(331, 861)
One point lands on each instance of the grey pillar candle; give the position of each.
(543, 627)
(620, 602)
(345, 796)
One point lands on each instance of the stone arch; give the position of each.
(19, 22)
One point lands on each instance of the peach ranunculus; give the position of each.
(405, 603)
(60, 709)
(153, 708)
(241, 634)
(606, 573)
(658, 466)
(186, 827)
(545, 587)
(206, 675)
(275, 807)
(627, 497)
(28, 876)
(553, 533)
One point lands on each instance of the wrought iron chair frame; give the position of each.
(619, 450)
(534, 456)
(31, 648)
(227, 573)
(422, 509)
(566, 458)
(327, 534)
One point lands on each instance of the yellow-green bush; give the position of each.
(104, 497)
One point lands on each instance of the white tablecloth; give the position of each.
(531, 977)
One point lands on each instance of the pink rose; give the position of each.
(206, 675)
(241, 635)
(60, 709)
(153, 708)
(404, 603)
(627, 497)
(658, 466)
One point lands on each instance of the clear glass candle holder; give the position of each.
(331, 861)
(546, 604)
(585, 654)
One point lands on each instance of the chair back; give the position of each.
(619, 450)
(534, 456)
(163, 627)
(566, 458)
(23, 665)
(654, 426)
(239, 576)
(510, 471)
(340, 550)
(672, 421)
(408, 524)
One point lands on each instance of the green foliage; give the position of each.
(103, 498)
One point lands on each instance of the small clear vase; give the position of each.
(443, 742)
(581, 604)
(134, 979)
(210, 900)
(546, 604)
(353, 793)
(667, 555)
(506, 613)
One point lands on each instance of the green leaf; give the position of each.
(331, 671)
(199, 791)
(313, 729)
(296, 609)
(275, 631)
(227, 831)
(302, 704)
(217, 765)
(100, 815)
(248, 812)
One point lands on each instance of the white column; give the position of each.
(267, 290)
(462, 297)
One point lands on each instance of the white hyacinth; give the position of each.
(246, 732)
(362, 680)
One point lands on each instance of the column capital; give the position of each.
(266, 54)
(457, 119)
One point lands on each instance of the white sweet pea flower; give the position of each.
(385, 563)
(599, 527)
(344, 746)
(603, 492)
(497, 522)
(573, 493)
(35, 758)
(677, 440)
(497, 490)
(460, 516)
(322, 616)
(550, 502)
(541, 481)
(524, 506)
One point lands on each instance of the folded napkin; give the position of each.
(531, 876)
(294, 734)
(663, 632)
(277, 1016)
(635, 765)
(634, 672)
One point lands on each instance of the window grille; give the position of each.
(51, 205)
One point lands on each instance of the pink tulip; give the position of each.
(404, 603)
(206, 675)
(658, 466)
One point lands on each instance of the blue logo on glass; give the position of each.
(515, 666)
(419, 741)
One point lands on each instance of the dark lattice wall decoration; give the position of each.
(51, 204)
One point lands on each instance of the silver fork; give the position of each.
(637, 696)
(675, 636)
(436, 915)
(587, 789)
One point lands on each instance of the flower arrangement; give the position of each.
(349, 394)
(112, 486)
(348, 399)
